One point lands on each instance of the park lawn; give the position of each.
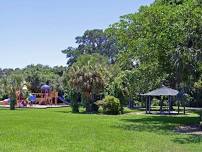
(58, 130)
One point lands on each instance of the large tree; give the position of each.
(92, 41)
(167, 33)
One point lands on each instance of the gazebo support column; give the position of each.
(169, 104)
(161, 105)
(178, 107)
(149, 104)
(146, 104)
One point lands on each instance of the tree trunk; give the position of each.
(12, 103)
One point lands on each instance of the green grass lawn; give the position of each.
(58, 130)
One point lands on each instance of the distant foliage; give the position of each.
(33, 76)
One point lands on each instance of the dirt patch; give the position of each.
(189, 129)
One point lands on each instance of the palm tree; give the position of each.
(89, 82)
(12, 84)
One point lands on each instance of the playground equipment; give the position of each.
(42, 98)
(32, 98)
(21, 100)
(46, 96)
(21, 96)
(5, 102)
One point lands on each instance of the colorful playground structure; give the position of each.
(45, 97)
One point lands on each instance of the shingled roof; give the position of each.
(163, 91)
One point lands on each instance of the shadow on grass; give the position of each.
(155, 124)
(17, 109)
(4, 109)
(163, 125)
(62, 111)
(189, 140)
(70, 112)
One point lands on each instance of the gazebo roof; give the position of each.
(163, 91)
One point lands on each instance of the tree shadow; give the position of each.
(70, 112)
(188, 140)
(63, 111)
(4, 109)
(163, 125)
(156, 124)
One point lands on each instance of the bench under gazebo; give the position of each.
(163, 91)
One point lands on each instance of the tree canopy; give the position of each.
(92, 41)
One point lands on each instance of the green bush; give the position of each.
(111, 105)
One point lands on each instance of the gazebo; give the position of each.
(163, 91)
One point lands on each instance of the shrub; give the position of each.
(111, 105)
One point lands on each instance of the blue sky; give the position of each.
(35, 31)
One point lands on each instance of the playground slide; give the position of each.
(63, 100)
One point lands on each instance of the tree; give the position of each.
(170, 2)
(92, 41)
(70, 93)
(166, 34)
(88, 77)
(129, 84)
(9, 85)
(59, 70)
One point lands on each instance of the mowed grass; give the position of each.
(58, 130)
